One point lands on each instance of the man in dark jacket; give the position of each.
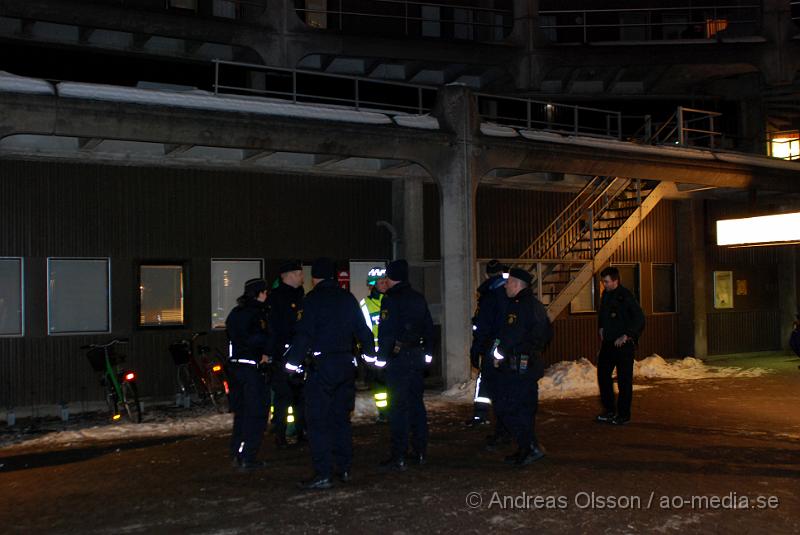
(283, 304)
(486, 323)
(518, 358)
(247, 330)
(326, 329)
(405, 349)
(621, 322)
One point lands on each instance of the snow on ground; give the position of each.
(578, 378)
(563, 380)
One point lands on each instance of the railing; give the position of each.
(225, 9)
(455, 20)
(650, 24)
(322, 88)
(687, 127)
(576, 218)
(549, 116)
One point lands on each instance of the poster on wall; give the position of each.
(723, 289)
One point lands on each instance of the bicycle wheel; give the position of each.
(130, 398)
(216, 392)
(186, 383)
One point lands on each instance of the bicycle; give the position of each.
(119, 384)
(199, 374)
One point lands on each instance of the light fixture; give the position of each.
(785, 145)
(778, 229)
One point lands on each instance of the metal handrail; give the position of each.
(550, 235)
(406, 17)
(552, 109)
(294, 95)
(715, 13)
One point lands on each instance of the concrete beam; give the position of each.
(176, 149)
(89, 143)
(255, 155)
(325, 160)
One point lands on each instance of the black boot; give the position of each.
(316, 483)
(397, 464)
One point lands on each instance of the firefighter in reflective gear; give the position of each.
(489, 316)
(247, 331)
(518, 358)
(283, 304)
(329, 323)
(405, 349)
(371, 310)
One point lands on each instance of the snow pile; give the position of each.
(203, 425)
(655, 367)
(569, 379)
(578, 378)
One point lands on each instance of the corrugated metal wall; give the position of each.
(754, 324)
(509, 220)
(135, 214)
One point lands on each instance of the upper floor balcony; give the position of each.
(580, 22)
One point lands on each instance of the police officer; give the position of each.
(371, 310)
(489, 316)
(247, 331)
(621, 322)
(283, 304)
(327, 325)
(518, 358)
(405, 349)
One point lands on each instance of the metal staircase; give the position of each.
(581, 239)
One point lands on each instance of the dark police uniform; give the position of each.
(328, 324)
(524, 335)
(283, 305)
(405, 337)
(247, 330)
(619, 315)
(488, 319)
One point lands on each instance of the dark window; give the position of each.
(664, 288)
(629, 278)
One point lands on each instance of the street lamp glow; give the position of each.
(764, 230)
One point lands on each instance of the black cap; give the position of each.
(397, 270)
(290, 265)
(253, 287)
(521, 274)
(494, 266)
(323, 268)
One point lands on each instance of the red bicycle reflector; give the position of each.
(216, 368)
(130, 376)
(116, 417)
(225, 384)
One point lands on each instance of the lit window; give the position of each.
(785, 145)
(715, 25)
(11, 297)
(227, 283)
(78, 295)
(160, 295)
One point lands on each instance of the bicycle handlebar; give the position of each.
(109, 344)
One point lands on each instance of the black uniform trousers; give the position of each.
(405, 382)
(287, 391)
(517, 400)
(621, 358)
(330, 397)
(248, 402)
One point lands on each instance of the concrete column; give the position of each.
(693, 280)
(457, 172)
(407, 217)
(787, 291)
